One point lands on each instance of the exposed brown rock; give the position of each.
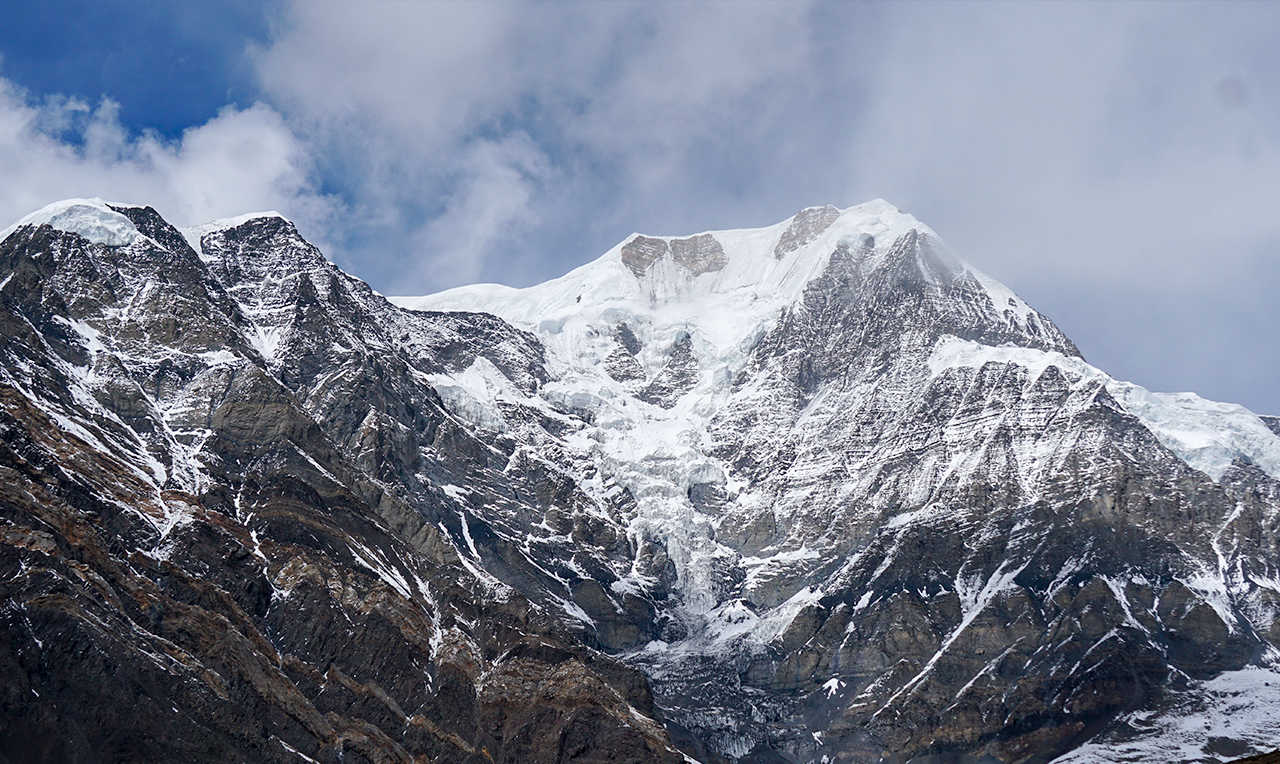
(641, 252)
(696, 254)
(807, 225)
(699, 254)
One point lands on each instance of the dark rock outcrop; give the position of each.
(676, 378)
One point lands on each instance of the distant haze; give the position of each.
(1117, 165)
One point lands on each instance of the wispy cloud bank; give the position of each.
(1102, 142)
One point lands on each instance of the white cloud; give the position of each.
(1083, 141)
(242, 160)
(488, 206)
(1099, 158)
(611, 105)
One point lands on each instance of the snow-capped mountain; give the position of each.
(891, 491)
(837, 494)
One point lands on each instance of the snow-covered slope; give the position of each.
(1228, 717)
(92, 219)
(725, 304)
(655, 441)
(726, 310)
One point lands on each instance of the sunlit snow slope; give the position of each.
(728, 306)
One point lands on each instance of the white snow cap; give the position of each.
(752, 284)
(91, 218)
(223, 224)
(726, 310)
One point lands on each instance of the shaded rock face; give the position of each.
(627, 339)
(623, 366)
(251, 511)
(223, 533)
(621, 363)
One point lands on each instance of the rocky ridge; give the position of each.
(203, 557)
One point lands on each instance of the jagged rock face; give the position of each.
(839, 496)
(365, 370)
(621, 364)
(677, 377)
(224, 534)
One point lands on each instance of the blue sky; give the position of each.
(1116, 164)
(169, 65)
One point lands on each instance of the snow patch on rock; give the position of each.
(1207, 435)
(194, 234)
(1240, 709)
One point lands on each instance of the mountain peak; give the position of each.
(103, 222)
(223, 224)
(194, 234)
(774, 262)
(726, 287)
